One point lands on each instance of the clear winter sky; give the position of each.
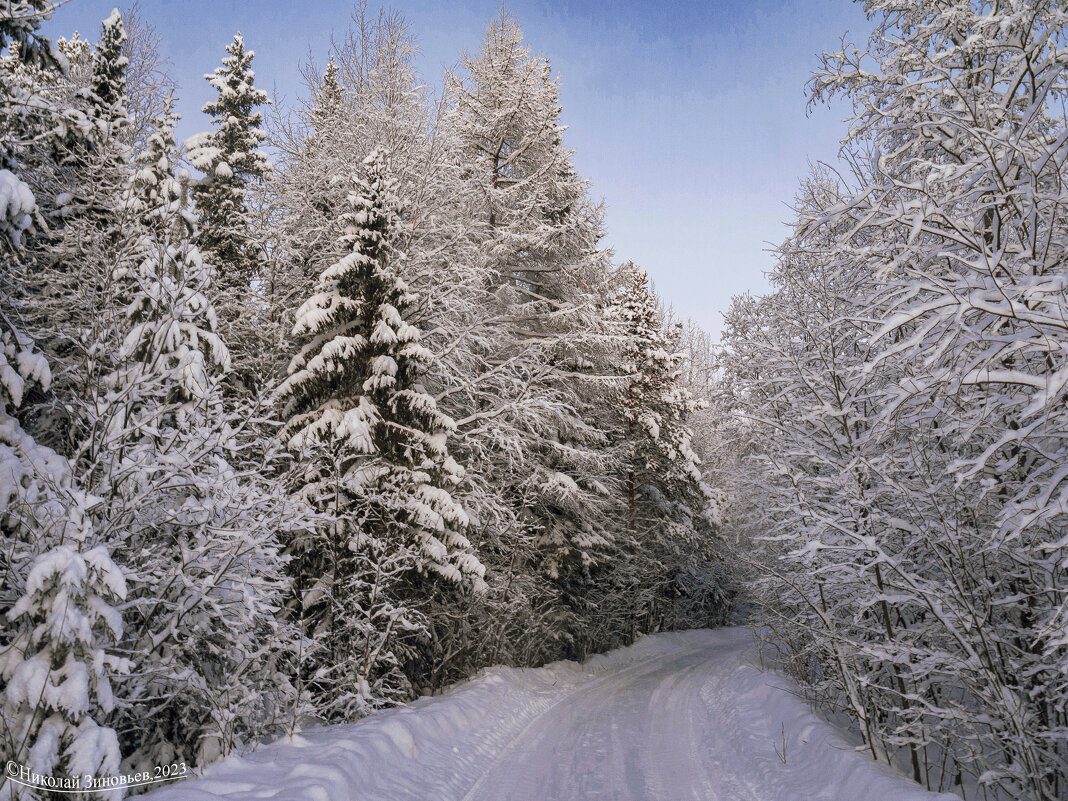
(688, 116)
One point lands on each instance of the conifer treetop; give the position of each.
(234, 113)
(109, 67)
(154, 193)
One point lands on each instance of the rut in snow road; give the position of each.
(685, 715)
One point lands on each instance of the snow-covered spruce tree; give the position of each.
(370, 95)
(94, 164)
(198, 528)
(109, 69)
(234, 167)
(231, 160)
(669, 506)
(57, 652)
(537, 234)
(663, 466)
(373, 453)
(58, 621)
(53, 120)
(710, 583)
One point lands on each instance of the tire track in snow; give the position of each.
(610, 678)
(637, 733)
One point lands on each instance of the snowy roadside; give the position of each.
(678, 715)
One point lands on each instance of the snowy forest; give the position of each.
(323, 409)
(894, 412)
(339, 402)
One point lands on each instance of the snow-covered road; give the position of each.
(685, 715)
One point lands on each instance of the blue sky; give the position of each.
(689, 118)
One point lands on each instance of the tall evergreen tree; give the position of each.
(80, 177)
(58, 584)
(109, 68)
(198, 527)
(232, 163)
(234, 168)
(664, 472)
(380, 467)
(537, 234)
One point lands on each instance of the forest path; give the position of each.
(678, 716)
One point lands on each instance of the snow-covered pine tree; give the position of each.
(664, 473)
(330, 99)
(58, 621)
(109, 69)
(670, 517)
(234, 169)
(172, 318)
(376, 460)
(710, 583)
(537, 236)
(534, 207)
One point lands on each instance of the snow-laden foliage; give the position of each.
(902, 397)
(59, 598)
(199, 526)
(379, 463)
(163, 283)
(57, 667)
(546, 386)
(234, 170)
(230, 158)
(19, 23)
(671, 513)
(68, 144)
(60, 586)
(109, 68)
(17, 205)
(663, 466)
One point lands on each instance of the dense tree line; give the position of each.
(321, 411)
(893, 412)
